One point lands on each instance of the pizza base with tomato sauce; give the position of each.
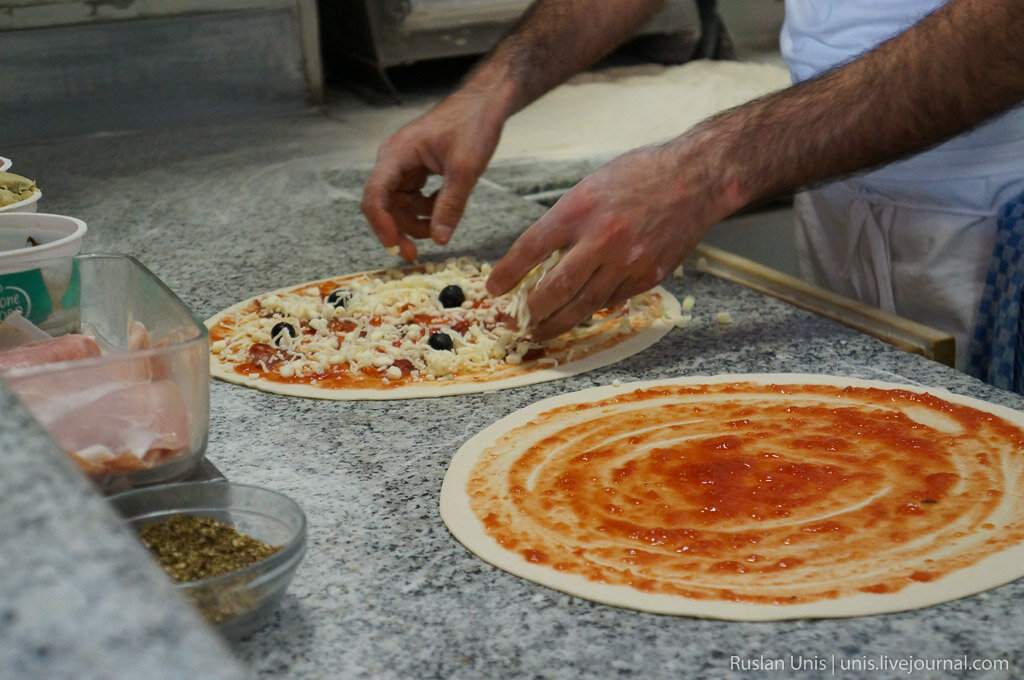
(748, 497)
(424, 331)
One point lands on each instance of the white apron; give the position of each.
(914, 237)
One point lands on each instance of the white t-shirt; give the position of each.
(818, 35)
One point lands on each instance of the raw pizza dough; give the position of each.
(748, 497)
(610, 337)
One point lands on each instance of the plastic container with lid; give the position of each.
(28, 205)
(38, 275)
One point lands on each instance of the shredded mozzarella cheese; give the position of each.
(517, 296)
(390, 313)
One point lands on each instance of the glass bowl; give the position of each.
(239, 602)
(139, 412)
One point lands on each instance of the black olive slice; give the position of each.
(339, 298)
(452, 296)
(440, 341)
(280, 328)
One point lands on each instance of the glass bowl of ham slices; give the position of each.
(123, 388)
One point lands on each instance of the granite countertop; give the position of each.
(384, 590)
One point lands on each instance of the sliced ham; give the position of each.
(61, 348)
(16, 330)
(111, 418)
(147, 420)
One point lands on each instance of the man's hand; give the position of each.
(624, 228)
(553, 40)
(627, 225)
(454, 140)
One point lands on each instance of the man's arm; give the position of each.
(626, 226)
(554, 40)
(456, 139)
(953, 70)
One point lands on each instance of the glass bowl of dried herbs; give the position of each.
(232, 549)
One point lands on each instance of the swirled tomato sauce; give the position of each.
(752, 493)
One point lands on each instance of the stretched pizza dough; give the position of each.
(544, 428)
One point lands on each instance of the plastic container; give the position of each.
(238, 602)
(39, 280)
(138, 413)
(28, 205)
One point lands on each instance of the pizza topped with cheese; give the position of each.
(428, 330)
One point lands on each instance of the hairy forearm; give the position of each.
(554, 40)
(953, 70)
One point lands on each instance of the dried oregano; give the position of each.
(193, 547)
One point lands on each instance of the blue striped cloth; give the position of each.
(997, 350)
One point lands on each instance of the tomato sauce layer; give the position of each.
(752, 493)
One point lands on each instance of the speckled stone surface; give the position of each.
(384, 590)
(79, 597)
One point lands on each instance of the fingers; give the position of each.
(529, 250)
(624, 291)
(455, 140)
(388, 232)
(390, 208)
(609, 285)
(592, 290)
(397, 210)
(450, 203)
(411, 214)
(565, 283)
(603, 266)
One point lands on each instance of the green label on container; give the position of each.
(73, 293)
(25, 292)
